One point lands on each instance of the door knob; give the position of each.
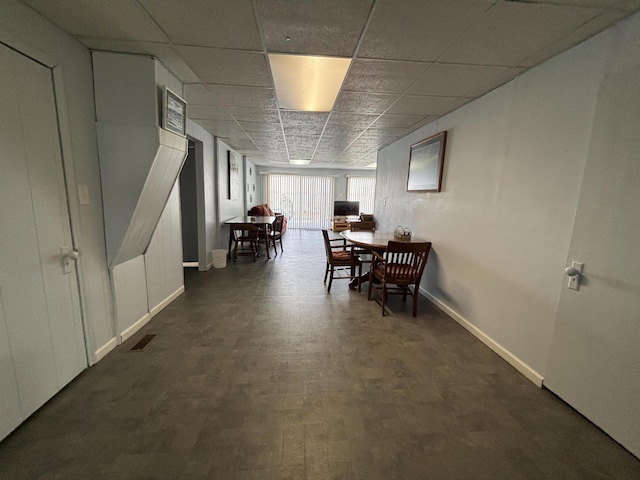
(574, 272)
(67, 255)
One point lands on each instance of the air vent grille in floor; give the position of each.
(144, 341)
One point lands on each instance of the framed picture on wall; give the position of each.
(234, 175)
(426, 159)
(174, 117)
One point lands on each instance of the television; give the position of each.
(342, 208)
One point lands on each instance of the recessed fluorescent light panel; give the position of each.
(307, 83)
(299, 162)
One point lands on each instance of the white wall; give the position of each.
(502, 224)
(227, 208)
(23, 29)
(163, 258)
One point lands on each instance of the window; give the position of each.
(306, 201)
(362, 189)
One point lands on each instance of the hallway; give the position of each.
(256, 372)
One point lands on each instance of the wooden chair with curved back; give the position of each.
(275, 233)
(401, 266)
(245, 238)
(340, 258)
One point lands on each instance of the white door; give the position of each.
(41, 338)
(594, 364)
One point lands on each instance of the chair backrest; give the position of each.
(244, 230)
(277, 223)
(327, 244)
(360, 226)
(405, 262)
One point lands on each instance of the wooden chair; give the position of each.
(275, 233)
(245, 238)
(401, 265)
(340, 257)
(360, 226)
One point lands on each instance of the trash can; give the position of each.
(219, 258)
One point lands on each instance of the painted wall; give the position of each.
(252, 191)
(208, 195)
(158, 275)
(502, 225)
(227, 208)
(163, 258)
(23, 29)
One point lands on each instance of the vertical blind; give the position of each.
(307, 201)
(362, 189)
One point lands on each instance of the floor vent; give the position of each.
(144, 341)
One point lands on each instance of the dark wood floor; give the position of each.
(257, 373)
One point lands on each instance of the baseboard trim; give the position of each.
(209, 266)
(155, 310)
(103, 350)
(505, 354)
(190, 264)
(135, 327)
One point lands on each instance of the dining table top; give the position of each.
(257, 220)
(374, 239)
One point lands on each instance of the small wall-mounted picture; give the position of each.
(426, 160)
(234, 175)
(174, 112)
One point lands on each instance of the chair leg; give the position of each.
(384, 297)
(326, 272)
(404, 293)
(369, 290)
(330, 280)
(359, 278)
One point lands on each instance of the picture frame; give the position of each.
(234, 175)
(174, 116)
(426, 162)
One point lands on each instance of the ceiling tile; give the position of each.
(422, 105)
(354, 120)
(513, 31)
(319, 27)
(254, 114)
(389, 120)
(211, 112)
(115, 19)
(302, 129)
(363, 102)
(208, 23)
(273, 128)
(590, 28)
(292, 117)
(227, 67)
(617, 4)
(230, 96)
(455, 80)
(382, 76)
(418, 29)
(222, 127)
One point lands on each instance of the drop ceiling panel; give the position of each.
(254, 114)
(223, 127)
(227, 67)
(595, 25)
(319, 27)
(381, 76)
(271, 128)
(210, 23)
(418, 29)
(302, 129)
(628, 5)
(312, 119)
(459, 80)
(115, 19)
(354, 120)
(512, 31)
(210, 112)
(363, 102)
(422, 105)
(389, 120)
(231, 96)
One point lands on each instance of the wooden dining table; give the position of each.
(261, 222)
(372, 240)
